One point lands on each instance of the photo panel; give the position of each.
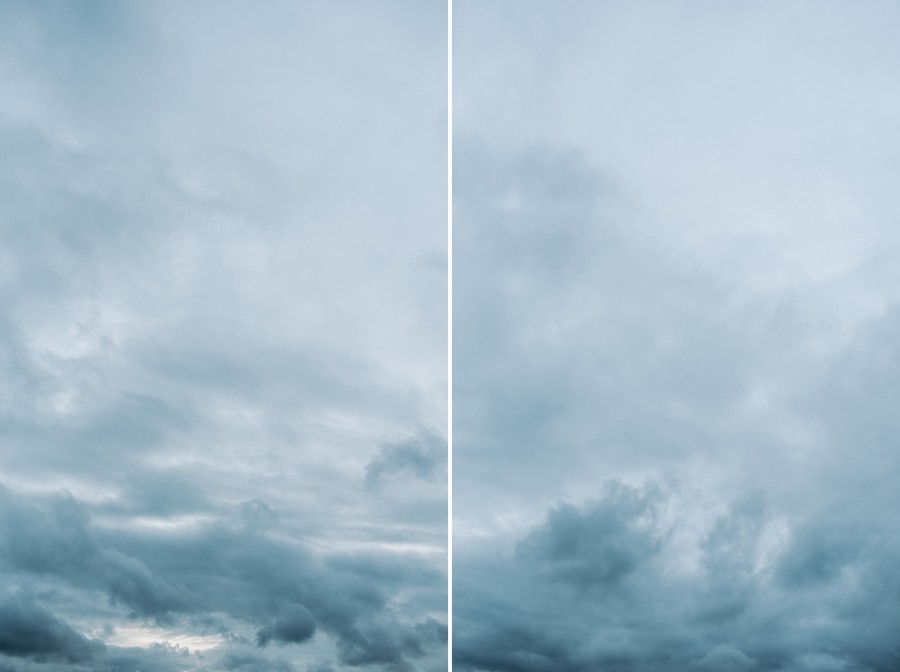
(223, 336)
(675, 331)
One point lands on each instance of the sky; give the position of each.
(676, 309)
(223, 332)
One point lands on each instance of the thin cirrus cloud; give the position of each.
(223, 336)
(675, 356)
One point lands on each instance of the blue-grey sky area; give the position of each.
(677, 336)
(223, 336)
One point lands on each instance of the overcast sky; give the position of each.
(223, 335)
(677, 335)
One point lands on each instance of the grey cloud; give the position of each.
(379, 645)
(672, 266)
(418, 457)
(153, 658)
(726, 659)
(277, 586)
(385, 569)
(254, 663)
(320, 668)
(733, 610)
(819, 551)
(131, 583)
(221, 295)
(296, 626)
(600, 544)
(29, 631)
(53, 538)
(258, 515)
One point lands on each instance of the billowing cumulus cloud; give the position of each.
(675, 314)
(222, 336)
(611, 583)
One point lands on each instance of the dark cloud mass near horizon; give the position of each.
(223, 336)
(676, 359)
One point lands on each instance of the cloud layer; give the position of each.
(674, 314)
(223, 336)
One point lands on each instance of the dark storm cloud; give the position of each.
(28, 631)
(296, 626)
(54, 539)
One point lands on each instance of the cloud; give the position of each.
(605, 583)
(222, 295)
(376, 644)
(28, 631)
(726, 659)
(255, 578)
(420, 457)
(819, 551)
(597, 546)
(53, 538)
(251, 662)
(671, 273)
(296, 626)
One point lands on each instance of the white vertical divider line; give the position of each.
(449, 334)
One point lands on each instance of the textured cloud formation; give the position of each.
(675, 336)
(221, 568)
(28, 631)
(222, 336)
(609, 584)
